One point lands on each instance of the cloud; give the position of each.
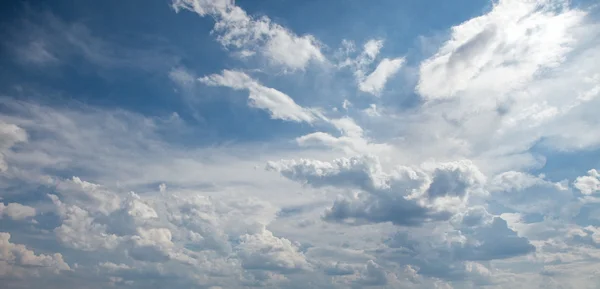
(447, 194)
(588, 184)
(405, 196)
(10, 135)
(531, 194)
(373, 275)
(80, 231)
(375, 82)
(486, 56)
(488, 238)
(351, 141)
(263, 251)
(18, 261)
(237, 30)
(339, 269)
(16, 211)
(279, 105)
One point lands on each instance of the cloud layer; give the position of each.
(383, 166)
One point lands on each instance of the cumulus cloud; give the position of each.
(448, 193)
(373, 275)
(18, 261)
(236, 29)
(16, 211)
(588, 184)
(263, 251)
(279, 104)
(405, 196)
(488, 237)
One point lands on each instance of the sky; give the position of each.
(300, 144)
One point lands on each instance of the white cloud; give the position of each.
(79, 229)
(235, 29)
(16, 211)
(18, 261)
(588, 184)
(445, 201)
(279, 105)
(351, 141)
(500, 51)
(10, 135)
(375, 82)
(263, 251)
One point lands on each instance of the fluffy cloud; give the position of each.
(263, 251)
(405, 196)
(279, 105)
(447, 194)
(588, 184)
(16, 211)
(249, 35)
(18, 261)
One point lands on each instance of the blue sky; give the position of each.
(299, 144)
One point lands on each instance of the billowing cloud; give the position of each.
(588, 184)
(405, 196)
(445, 188)
(18, 261)
(263, 251)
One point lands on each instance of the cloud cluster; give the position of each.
(404, 196)
(451, 193)
(18, 261)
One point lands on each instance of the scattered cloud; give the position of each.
(279, 104)
(237, 30)
(16, 211)
(451, 192)
(375, 82)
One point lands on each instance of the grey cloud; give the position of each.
(373, 275)
(402, 196)
(339, 269)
